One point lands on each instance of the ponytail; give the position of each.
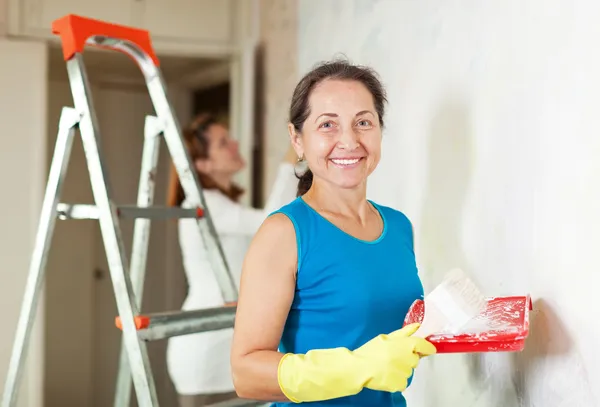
(304, 182)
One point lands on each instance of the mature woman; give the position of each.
(199, 364)
(328, 278)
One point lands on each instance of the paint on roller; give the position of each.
(498, 318)
(451, 305)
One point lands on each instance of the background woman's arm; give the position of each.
(234, 218)
(266, 294)
(285, 186)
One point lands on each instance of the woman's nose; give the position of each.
(348, 140)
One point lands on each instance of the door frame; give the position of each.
(239, 69)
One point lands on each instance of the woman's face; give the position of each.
(341, 138)
(224, 157)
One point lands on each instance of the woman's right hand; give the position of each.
(385, 363)
(392, 358)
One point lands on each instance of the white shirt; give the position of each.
(199, 363)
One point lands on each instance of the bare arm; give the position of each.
(266, 293)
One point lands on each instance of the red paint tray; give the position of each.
(502, 327)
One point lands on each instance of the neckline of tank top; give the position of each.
(377, 208)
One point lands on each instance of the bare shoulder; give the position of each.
(272, 248)
(278, 229)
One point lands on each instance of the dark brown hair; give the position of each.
(197, 144)
(338, 69)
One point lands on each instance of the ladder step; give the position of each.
(154, 327)
(85, 211)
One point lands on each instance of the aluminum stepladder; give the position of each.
(76, 32)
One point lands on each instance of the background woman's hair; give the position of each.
(338, 69)
(197, 145)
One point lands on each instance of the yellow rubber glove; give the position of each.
(384, 363)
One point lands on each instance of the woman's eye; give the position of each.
(364, 123)
(326, 125)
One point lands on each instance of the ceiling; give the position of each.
(111, 66)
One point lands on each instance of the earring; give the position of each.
(301, 166)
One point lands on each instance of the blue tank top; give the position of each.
(348, 290)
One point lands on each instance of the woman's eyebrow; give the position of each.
(336, 115)
(326, 115)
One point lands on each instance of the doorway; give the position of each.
(214, 100)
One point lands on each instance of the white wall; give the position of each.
(23, 99)
(490, 149)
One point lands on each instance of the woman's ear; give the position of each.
(203, 165)
(296, 140)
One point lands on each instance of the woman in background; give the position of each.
(199, 364)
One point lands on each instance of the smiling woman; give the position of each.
(328, 278)
(328, 123)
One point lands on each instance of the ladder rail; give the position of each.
(111, 233)
(58, 168)
(192, 189)
(141, 241)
